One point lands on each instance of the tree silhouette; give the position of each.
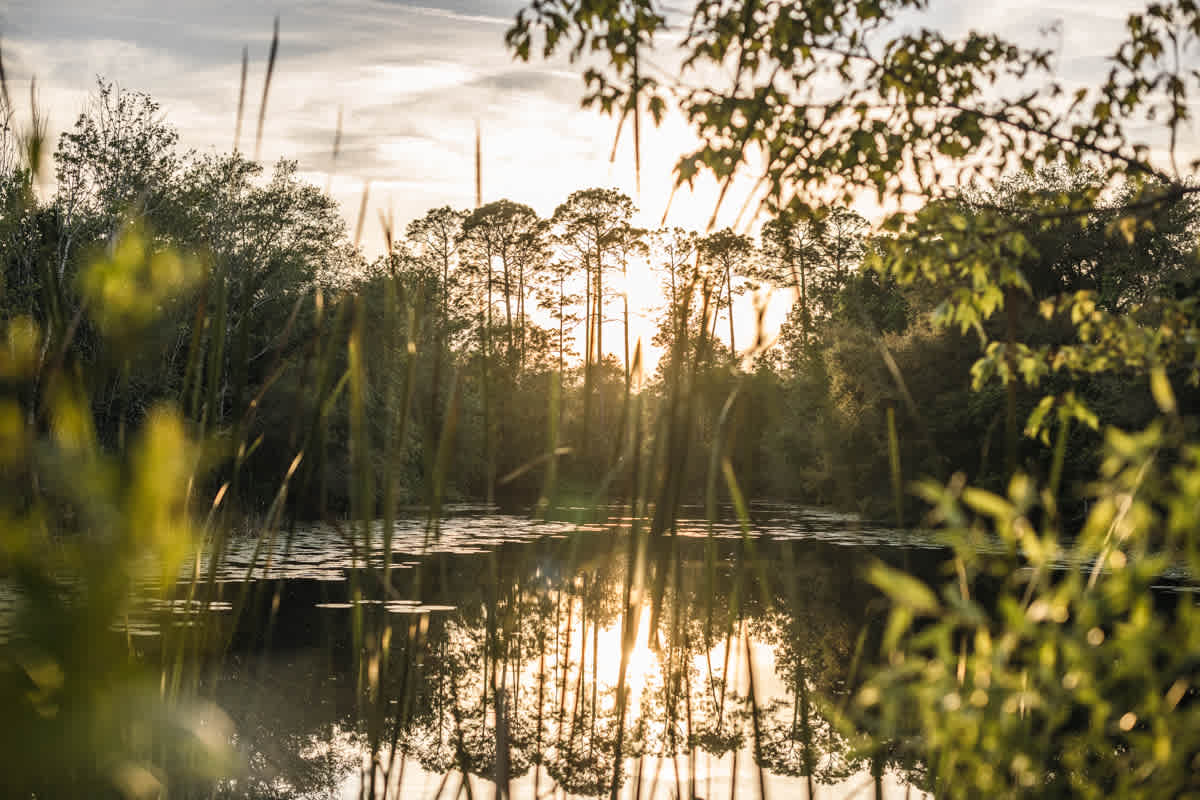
(587, 226)
(511, 234)
(116, 163)
(793, 244)
(729, 258)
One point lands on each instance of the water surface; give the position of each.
(494, 647)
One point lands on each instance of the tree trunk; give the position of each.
(508, 317)
(729, 298)
(489, 468)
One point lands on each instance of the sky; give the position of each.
(412, 81)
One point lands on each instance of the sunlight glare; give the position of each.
(643, 662)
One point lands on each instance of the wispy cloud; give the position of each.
(412, 80)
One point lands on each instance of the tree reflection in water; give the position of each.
(520, 684)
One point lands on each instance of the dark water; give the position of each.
(500, 623)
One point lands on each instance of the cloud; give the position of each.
(411, 81)
(459, 16)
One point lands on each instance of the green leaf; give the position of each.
(1160, 387)
(987, 503)
(904, 590)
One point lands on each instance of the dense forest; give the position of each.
(231, 290)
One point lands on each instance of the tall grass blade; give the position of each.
(894, 466)
(262, 108)
(4, 95)
(478, 165)
(241, 106)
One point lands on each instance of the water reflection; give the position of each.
(324, 552)
(551, 660)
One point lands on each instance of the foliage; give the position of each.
(1073, 681)
(83, 527)
(1044, 668)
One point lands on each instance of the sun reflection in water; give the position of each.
(518, 671)
(641, 664)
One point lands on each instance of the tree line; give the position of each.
(237, 294)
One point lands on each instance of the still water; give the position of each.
(493, 646)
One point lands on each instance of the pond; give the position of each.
(494, 647)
